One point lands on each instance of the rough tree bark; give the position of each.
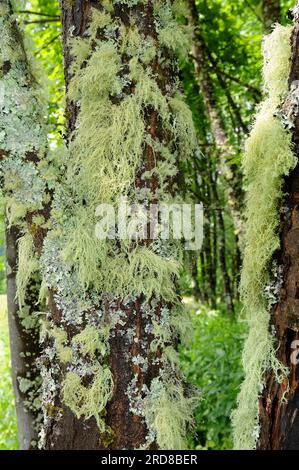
(279, 419)
(271, 11)
(113, 393)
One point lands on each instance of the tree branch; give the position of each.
(47, 44)
(247, 3)
(42, 21)
(29, 12)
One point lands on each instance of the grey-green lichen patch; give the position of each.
(92, 340)
(165, 405)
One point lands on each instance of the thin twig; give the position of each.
(253, 10)
(252, 89)
(29, 12)
(42, 21)
(249, 87)
(47, 44)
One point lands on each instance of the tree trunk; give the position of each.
(271, 13)
(230, 174)
(23, 142)
(24, 349)
(279, 418)
(110, 374)
(268, 402)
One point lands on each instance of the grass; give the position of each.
(211, 360)
(8, 419)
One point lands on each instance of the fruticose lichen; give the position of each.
(268, 159)
(95, 282)
(27, 265)
(89, 401)
(168, 412)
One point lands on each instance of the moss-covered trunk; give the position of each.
(111, 376)
(22, 145)
(268, 403)
(279, 419)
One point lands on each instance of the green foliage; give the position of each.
(211, 360)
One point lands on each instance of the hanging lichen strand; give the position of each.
(268, 159)
(111, 339)
(23, 142)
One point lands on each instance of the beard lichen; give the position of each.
(168, 413)
(91, 400)
(27, 265)
(92, 340)
(268, 159)
(114, 86)
(106, 152)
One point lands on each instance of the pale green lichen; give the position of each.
(183, 126)
(120, 129)
(92, 340)
(25, 384)
(100, 19)
(268, 158)
(27, 265)
(60, 339)
(169, 413)
(89, 401)
(23, 142)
